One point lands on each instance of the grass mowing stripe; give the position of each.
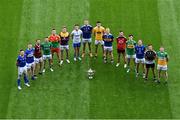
(63, 94)
(125, 92)
(9, 32)
(169, 19)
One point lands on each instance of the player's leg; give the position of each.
(40, 66)
(118, 59)
(67, 54)
(128, 63)
(153, 71)
(96, 48)
(75, 52)
(50, 65)
(78, 52)
(84, 48)
(124, 58)
(137, 67)
(26, 81)
(110, 49)
(32, 71)
(44, 63)
(143, 67)
(89, 45)
(58, 54)
(62, 50)
(147, 72)
(166, 76)
(20, 72)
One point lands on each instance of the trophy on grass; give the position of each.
(90, 71)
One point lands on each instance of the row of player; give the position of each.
(29, 59)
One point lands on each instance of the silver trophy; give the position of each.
(90, 73)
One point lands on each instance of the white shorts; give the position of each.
(22, 70)
(109, 49)
(29, 65)
(86, 40)
(97, 42)
(38, 60)
(64, 47)
(131, 56)
(162, 67)
(45, 57)
(140, 60)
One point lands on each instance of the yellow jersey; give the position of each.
(99, 32)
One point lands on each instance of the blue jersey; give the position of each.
(140, 51)
(108, 39)
(29, 55)
(87, 31)
(21, 61)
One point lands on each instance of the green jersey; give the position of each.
(130, 47)
(46, 47)
(162, 58)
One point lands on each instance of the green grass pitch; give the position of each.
(67, 93)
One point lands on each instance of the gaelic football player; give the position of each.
(163, 59)
(108, 47)
(22, 69)
(86, 38)
(121, 47)
(150, 56)
(98, 32)
(140, 50)
(30, 60)
(64, 46)
(130, 51)
(38, 57)
(54, 39)
(46, 47)
(76, 36)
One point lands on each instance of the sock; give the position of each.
(19, 82)
(26, 79)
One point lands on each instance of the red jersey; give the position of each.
(54, 38)
(37, 51)
(121, 43)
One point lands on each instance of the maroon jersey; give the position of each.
(37, 51)
(121, 43)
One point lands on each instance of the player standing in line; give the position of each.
(163, 59)
(54, 39)
(30, 60)
(76, 36)
(46, 47)
(150, 56)
(86, 38)
(121, 47)
(98, 32)
(22, 69)
(64, 46)
(130, 51)
(108, 47)
(140, 51)
(38, 57)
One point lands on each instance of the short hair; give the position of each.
(76, 25)
(21, 50)
(149, 45)
(120, 31)
(64, 27)
(46, 37)
(53, 29)
(98, 22)
(37, 40)
(131, 35)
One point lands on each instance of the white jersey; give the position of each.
(76, 36)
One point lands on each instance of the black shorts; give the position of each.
(150, 65)
(120, 51)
